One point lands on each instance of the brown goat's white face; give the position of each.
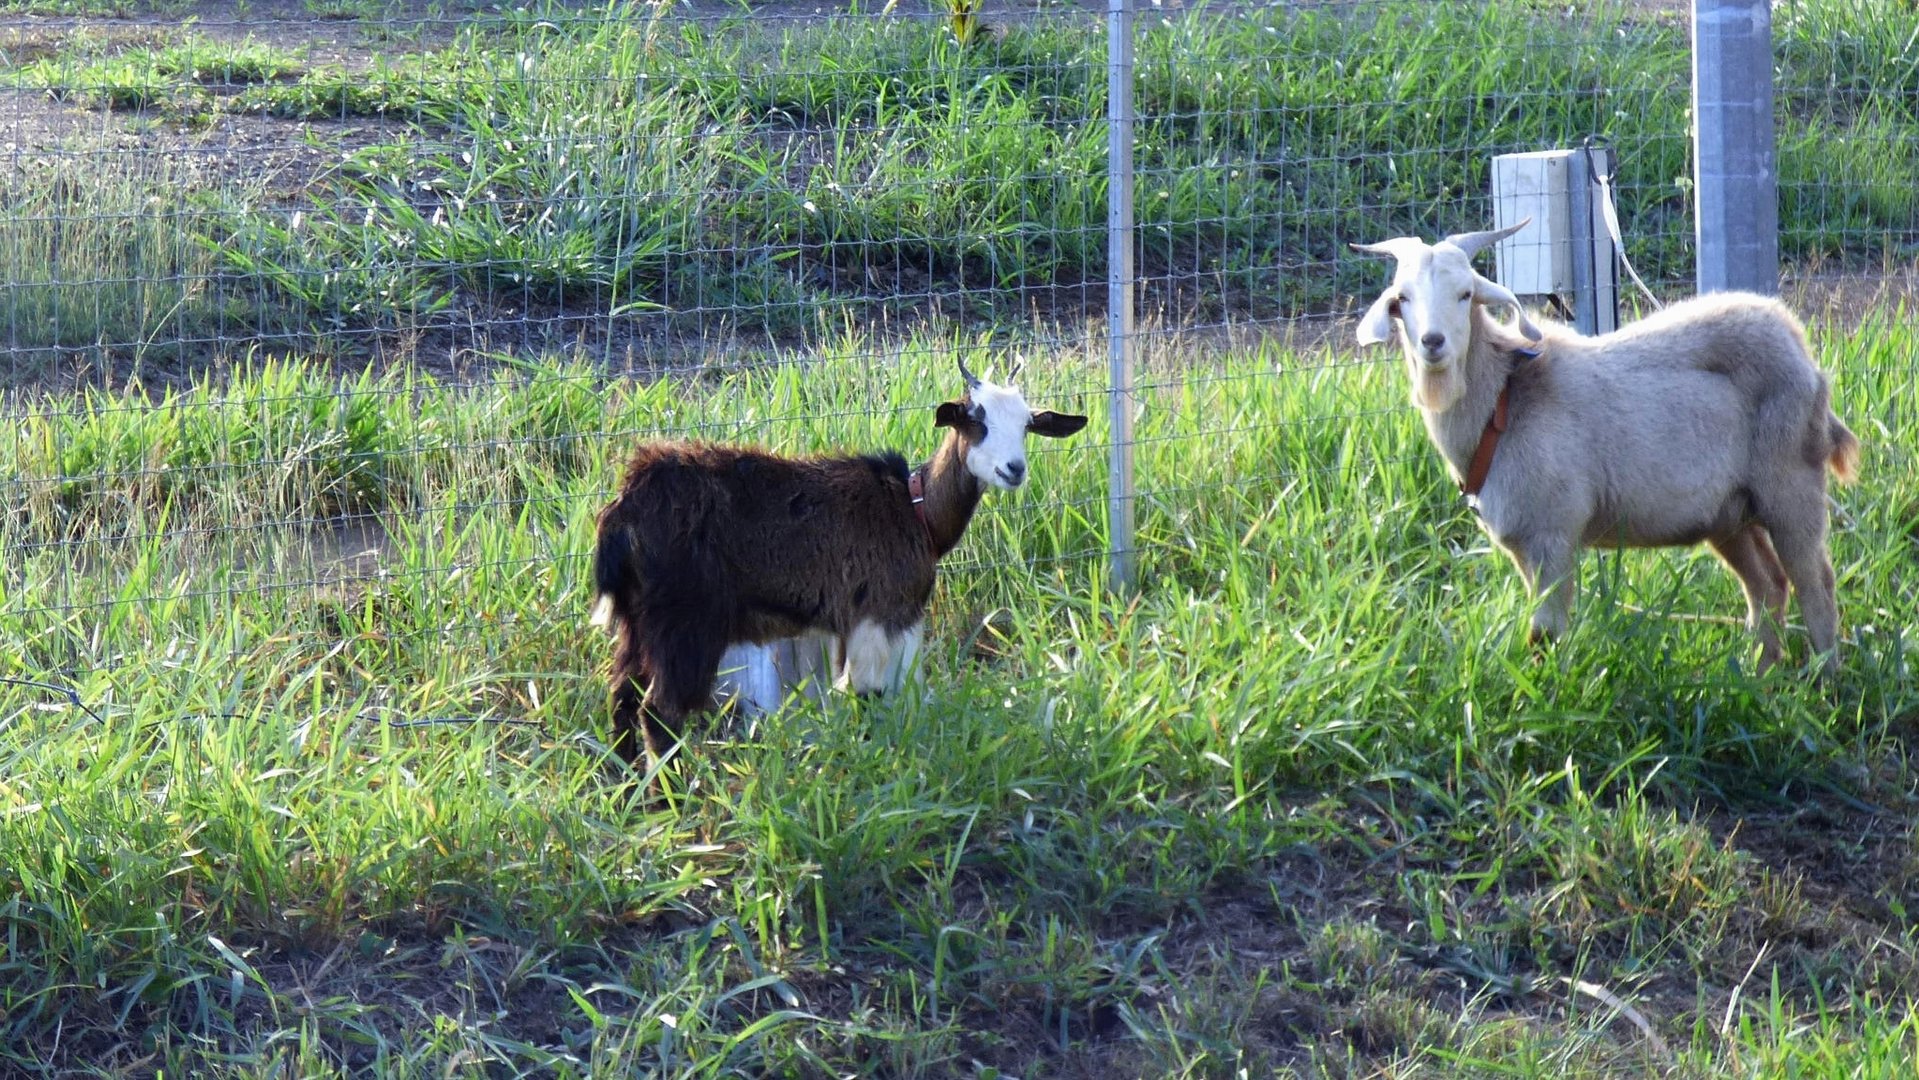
(993, 422)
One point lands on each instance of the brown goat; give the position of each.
(708, 546)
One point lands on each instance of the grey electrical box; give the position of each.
(1567, 251)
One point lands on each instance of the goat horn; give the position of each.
(1399, 247)
(1472, 243)
(972, 380)
(1012, 373)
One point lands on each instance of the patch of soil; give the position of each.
(292, 25)
(1843, 297)
(1846, 863)
(1851, 861)
(277, 158)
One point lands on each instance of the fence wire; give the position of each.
(332, 320)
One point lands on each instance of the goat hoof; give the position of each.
(647, 794)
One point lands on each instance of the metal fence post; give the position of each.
(1735, 196)
(1119, 287)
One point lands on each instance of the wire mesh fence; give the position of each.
(329, 321)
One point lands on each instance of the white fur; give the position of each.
(1432, 297)
(750, 675)
(905, 660)
(999, 460)
(760, 678)
(868, 652)
(1707, 421)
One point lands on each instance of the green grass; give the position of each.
(108, 258)
(105, 73)
(782, 177)
(119, 9)
(870, 151)
(338, 95)
(351, 9)
(1307, 805)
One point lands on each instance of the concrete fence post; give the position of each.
(1736, 190)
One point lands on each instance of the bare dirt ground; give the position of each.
(288, 24)
(244, 149)
(273, 156)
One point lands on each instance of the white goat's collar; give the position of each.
(1482, 462)
(1482, 459)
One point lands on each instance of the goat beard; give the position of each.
(1437, 389)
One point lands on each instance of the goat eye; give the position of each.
(1465, 296)
(1393, 309)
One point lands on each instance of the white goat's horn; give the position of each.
(1012, 373)
(1398, 247)
(972, 380)
(1472, 243)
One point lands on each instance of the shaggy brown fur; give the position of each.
(708, 546)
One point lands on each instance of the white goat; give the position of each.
(1706, 421)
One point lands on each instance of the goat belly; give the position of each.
(1669, 529)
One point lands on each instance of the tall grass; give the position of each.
(1321, 621)
(105, 257)
(864, 157)
(337, 801)
(770, 175)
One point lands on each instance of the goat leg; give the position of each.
(683, 663)
(630, 681)
(1548, 565)
(1748, 553)
(662, 725)
(1802, 551)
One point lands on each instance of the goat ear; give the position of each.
(1490, 292)
(1054, 425)
(950, 414)
(1377, 324)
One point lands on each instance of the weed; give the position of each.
(251, 578)
(1303, 807)
(861, 165)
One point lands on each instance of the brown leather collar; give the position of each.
(916, 488)
(1482, 462)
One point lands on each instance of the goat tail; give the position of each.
(612, 572)
(1844, 459)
